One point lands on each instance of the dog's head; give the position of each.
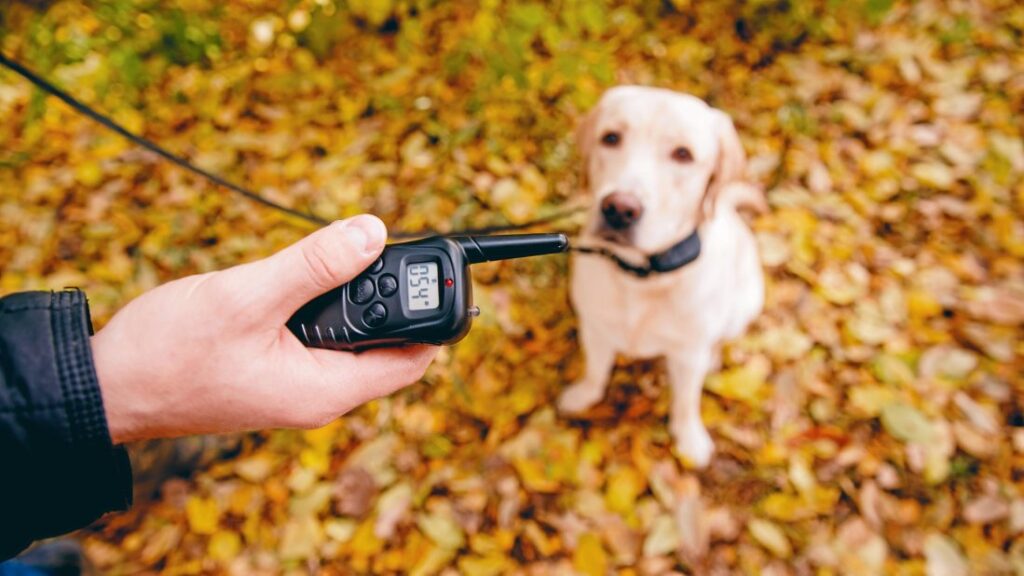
(655, 161)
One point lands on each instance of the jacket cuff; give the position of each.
(71, 324)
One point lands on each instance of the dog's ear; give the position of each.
(731, 163)
(585, 144)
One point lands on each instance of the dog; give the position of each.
(660, 164)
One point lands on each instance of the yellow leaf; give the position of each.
(365, 543)
(340, 529)
(224, 546)
(485, 565)
(589, 557)
(745, 383)
(376, 12)
(546, 545)
(769, 535)
(433, 561)
(892, 370)
(785, 507)
(296, 166)
(921, 304)
(324, 436)
(906, 423)
(801, 475)
(203, 515)
(624, 485)
(315, 460)
(933, 175)
(868, 400)
(89, 174)
(442, 529)
(662, 538)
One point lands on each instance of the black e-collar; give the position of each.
(672, 258)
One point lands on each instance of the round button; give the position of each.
(387, 284)
(377, 265)
(375, 315)
(361, 290)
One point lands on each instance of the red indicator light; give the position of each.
(448, 282)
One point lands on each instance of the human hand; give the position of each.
(211, 353)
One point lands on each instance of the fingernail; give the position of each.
(366, 233)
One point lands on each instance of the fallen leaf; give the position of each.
(944, 557)
(589, 558)
(354, 492)
(300, 538)
(203, 515)
(906, 423)
(624, 485)
(771, 537)
(224, 546)
(442, 529)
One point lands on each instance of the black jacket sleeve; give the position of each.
(58, 468)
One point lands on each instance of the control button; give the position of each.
(377, 266)
(473, 311)
(361, 290)
(375, 315)
(387, 284)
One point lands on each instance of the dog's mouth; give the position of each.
(615, 236)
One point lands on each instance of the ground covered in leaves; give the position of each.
(871, 422)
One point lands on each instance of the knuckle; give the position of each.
(323, 263)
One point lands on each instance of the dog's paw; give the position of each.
(694, 445)
(579, 397)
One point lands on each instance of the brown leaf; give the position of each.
(354, 492)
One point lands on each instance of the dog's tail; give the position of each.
(744, 196)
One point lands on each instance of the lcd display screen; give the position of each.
(421, 280)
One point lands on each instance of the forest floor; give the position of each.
(872, 421)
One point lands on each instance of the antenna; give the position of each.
(490, 248)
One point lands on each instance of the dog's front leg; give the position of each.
(600, 357)
(686, 371)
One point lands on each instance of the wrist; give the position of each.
(111, 384)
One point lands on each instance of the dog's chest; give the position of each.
(641, 317)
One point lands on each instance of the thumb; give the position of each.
(319, 262)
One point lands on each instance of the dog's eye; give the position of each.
(611, 139)
(682, 154)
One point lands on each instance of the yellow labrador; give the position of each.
(660, 165)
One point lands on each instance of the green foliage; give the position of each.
(188, 38)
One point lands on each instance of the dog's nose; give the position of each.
(621, 209)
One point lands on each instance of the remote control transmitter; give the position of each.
(416, 292)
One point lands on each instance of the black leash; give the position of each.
(680, 254)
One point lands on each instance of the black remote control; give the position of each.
(416, 292)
